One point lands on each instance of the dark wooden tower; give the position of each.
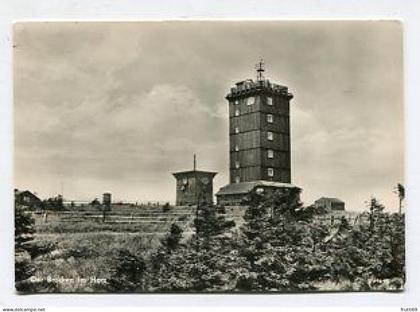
(259, 130)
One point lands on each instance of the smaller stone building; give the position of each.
(329, 204)
(194, 187)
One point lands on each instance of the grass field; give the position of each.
(81, 245)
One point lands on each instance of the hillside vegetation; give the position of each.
(277, 246)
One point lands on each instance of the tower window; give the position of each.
(236, 129)
(236, 148)
(236, 112)
(269, 118)
(236, 102)
(237, 179)
(250, 100)
(270, 172)
(270, 136)
(270, 154)
(237, 164)
(269, 100)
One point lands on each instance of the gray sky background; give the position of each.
(119, 106)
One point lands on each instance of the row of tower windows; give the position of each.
(269, 117)
(270, 173)
(270, 155)
(269, 120)
(252, 99)
(270, 135)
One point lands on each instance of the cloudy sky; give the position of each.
(119, 106)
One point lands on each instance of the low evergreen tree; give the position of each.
(204, 263)
(128, 274)
(209, 223)
(171, 241)
(166, 207)
(276, 240)
(53, 203)
(24, 229)
(375, 213)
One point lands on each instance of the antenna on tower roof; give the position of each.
(260, 70)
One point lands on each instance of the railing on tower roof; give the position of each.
(249, 85)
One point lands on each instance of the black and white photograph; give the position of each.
(223, 156)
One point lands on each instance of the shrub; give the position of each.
(166, 207)
(53, 203)
(24, 228)
(25, 250)
(128, 273)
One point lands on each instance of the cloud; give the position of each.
(119, 106)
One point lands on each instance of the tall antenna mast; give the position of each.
(195, 162)
(260, 70)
